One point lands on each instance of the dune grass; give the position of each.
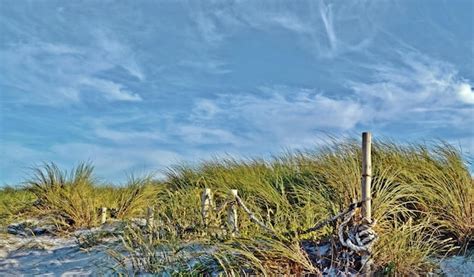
(428, 186)
(423, 198)
(15, 204)
(73, 200)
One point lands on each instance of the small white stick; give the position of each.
(149, 217)
(232, 213)
(206, 204)
(103, 215)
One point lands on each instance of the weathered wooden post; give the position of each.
(366, 176)
(232, 213)
(103, 213)
(206, 205)
(150, 215)
(366, 194)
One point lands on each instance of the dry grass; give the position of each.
(15, 204)
(423, 198)
(73, 200)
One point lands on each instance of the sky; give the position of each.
(138, 86)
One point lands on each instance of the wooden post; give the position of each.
(232, 214)
(366, 195)
(150, 217)
(103, 213)
(366, 176)
(206, 205)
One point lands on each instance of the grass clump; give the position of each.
(409, 249)
(66, 199)
(14, 204)
(446, 190)
(73, 200)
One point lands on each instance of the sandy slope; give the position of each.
(50, 256)
(47, 255)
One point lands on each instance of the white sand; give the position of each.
(458, 266)
(50, 256)
(53, 256)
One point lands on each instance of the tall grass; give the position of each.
(66, 199)
(409, 248)
(446, 190)
(15, 204)
(72, 200)
(429, 186)
(422, 198)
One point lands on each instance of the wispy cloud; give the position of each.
(283, 116)
(115, 162)
(290, 22)
(117, 53)
(420, 83)
(111, 90)
(327, 18)
(314, 23)
(288, 107)
(31, 66)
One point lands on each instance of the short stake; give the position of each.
(150, 217)
(206, 204)
(232, 214)
(103, 213)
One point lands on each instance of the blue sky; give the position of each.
(136, 86)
